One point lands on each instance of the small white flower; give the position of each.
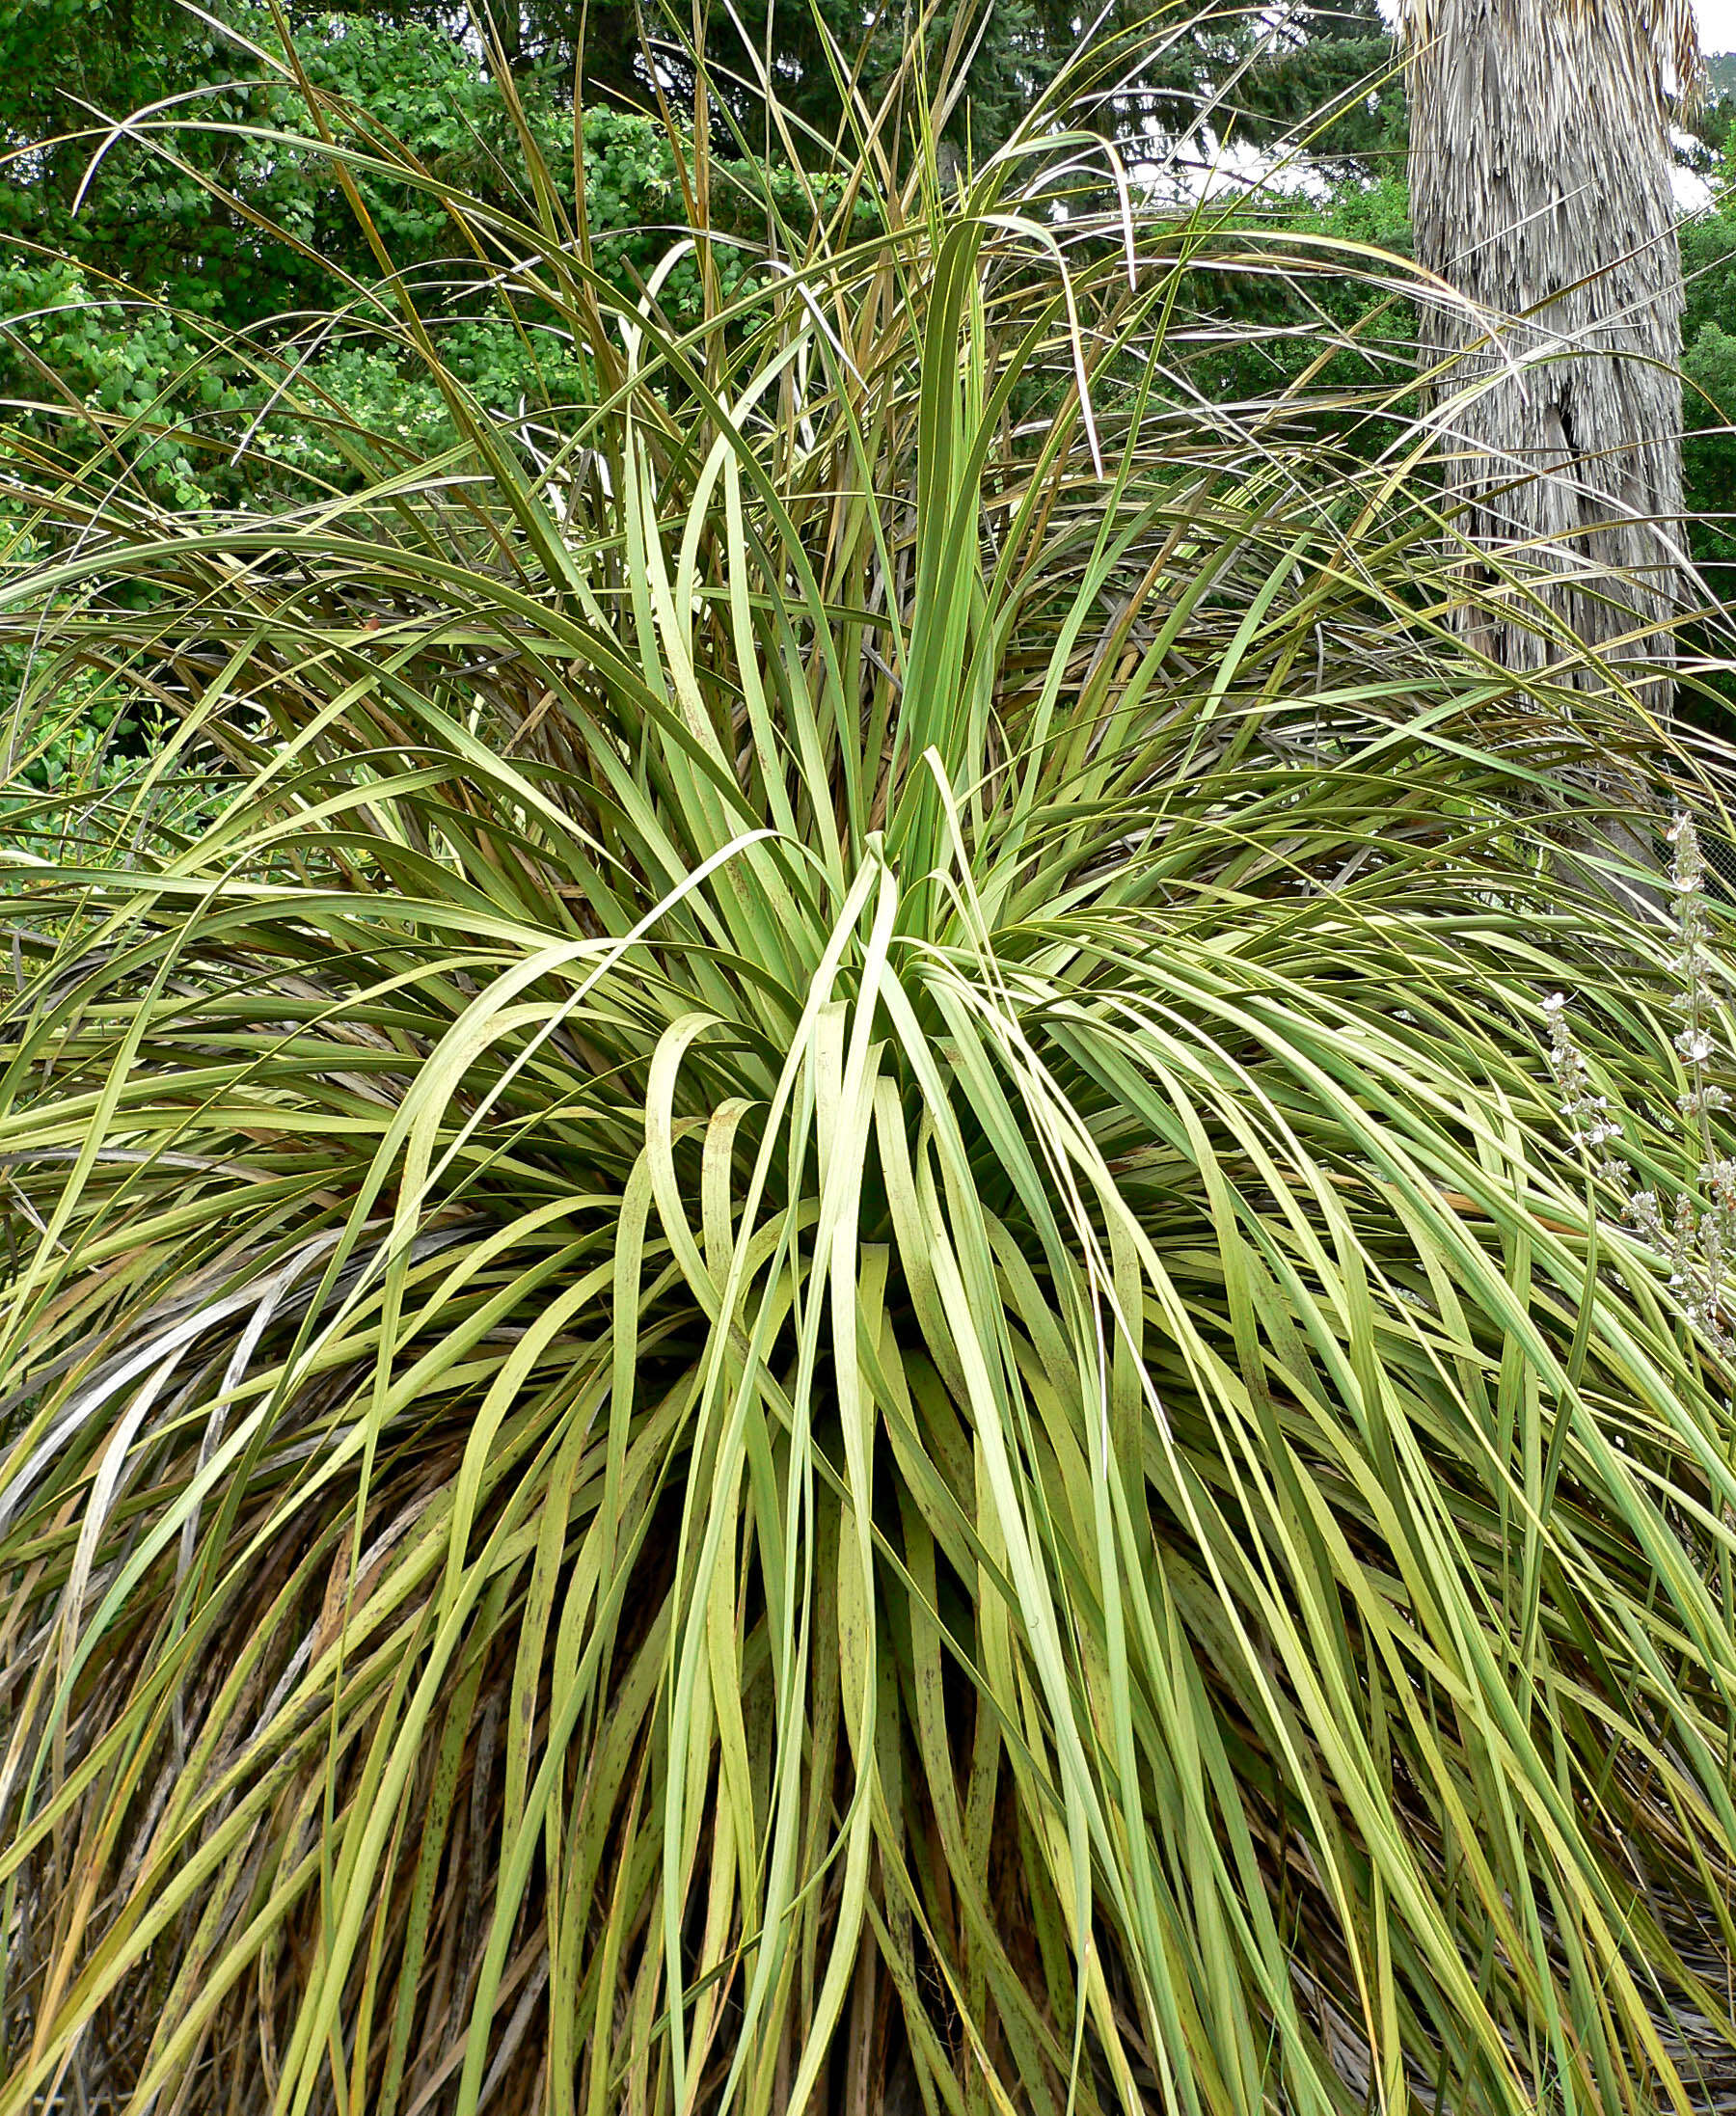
(1691, 1229)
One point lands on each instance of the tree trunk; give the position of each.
(1541, 189)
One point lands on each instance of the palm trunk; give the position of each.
(1540, 190)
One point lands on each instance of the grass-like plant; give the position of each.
(806, 1327)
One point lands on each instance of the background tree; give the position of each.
(1540, 175)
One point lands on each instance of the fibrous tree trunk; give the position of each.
(1540, 191)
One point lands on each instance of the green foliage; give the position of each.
(1709, 454)
(804, 1327)
(172, 212)
(817, 52)
(134, 381)
(1708, 242)
(1349, 331)
(83, 789)
(1331, 77)
(117, 339)
(162, 317)
(76, 744)
(1346, 328)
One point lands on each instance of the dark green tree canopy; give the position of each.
(146, 215)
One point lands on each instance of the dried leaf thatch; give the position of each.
(1540, 191)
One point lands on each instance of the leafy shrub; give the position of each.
(804, 1324)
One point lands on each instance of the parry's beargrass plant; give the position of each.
(805, 1327)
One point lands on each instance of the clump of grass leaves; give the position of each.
(804, 1327)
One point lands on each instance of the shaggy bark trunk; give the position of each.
(1540, 189)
